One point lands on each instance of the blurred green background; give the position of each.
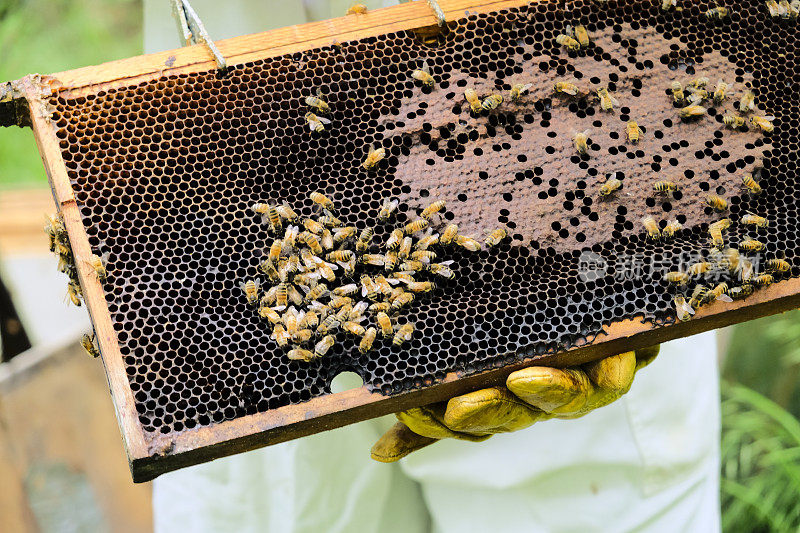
(760, 369)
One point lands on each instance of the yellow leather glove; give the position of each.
(531, 394)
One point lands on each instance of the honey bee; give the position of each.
(468, 243)
(395, 237)
(281, 296)
(717, 13)
(751, 184)
(369, 288)
(699, 296)
(293, 294)
(404, 334)
(324, 345)
(405, 248)
(385, 323)
(582, 36)
(384, 285)
(364, 240)
(491, 102)
(565, 88)
(518, 89)
(290, 236)
(328, 325)
(420, 286)
(751, 245)
(353, 328)
(319, 291)
(321, 200)
(415, 226)
(357, 9)
(607, 189)
(357, 313)
(250, 289)
(377, 307)
(280, 335)
(763, 123)
(676, 277)
(374, 157)
(692, 112)
(683, 310)
(316, 123)
(734, 122)
(738, 293)
(775, 10)
(423, 74)
(275, 250)
(87, 341)
(581, 140)
(387, 210)
(328, 220)
(667, 5)
(432, 209)
(260, 208)
(402, 299)
(607, 102)
(720, 292)
(721, 224)
(340, 256)
(672, 227)
(366, 342)
(340, 301)
(302, 335)
(677, 92)
(568, 42)
(300, 354)
(748, 102)
(700, 268)
(372, 259)
(495, 237)
(318, 103)
(413, 266)
(777, 265)
(311, 241)
(99, 263)
(390, 260)
(449, 233)
(763, 280)
(272, 217)
(633, 131)
(651, 226)
(473, 100)
(665, 186)
(346, 290)
(427, 241)
(754, 220)
(719, 92)
(313, 226)
(342, 234)
(426, 256)
(326, 239)
(716, 202)
(264, 311)
(443, 270)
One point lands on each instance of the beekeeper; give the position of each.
(555, 461)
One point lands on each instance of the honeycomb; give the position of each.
(165, 172)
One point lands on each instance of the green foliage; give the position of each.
(47, 36)
(760, 463)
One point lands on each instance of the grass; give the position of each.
(47, 36)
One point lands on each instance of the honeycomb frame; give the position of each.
(154, 452)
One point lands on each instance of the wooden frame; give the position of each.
(152, 455)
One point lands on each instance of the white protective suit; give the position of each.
(648, 462)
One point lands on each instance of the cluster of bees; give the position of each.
(329, 279)
(783, 9)
(59, 244)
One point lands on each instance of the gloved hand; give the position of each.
(530, 395)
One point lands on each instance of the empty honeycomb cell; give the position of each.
(164, 173)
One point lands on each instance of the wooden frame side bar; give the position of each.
(94, 296)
